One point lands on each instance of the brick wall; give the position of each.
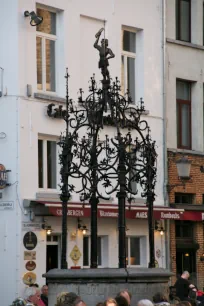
(195, 186)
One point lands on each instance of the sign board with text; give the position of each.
(5, 205)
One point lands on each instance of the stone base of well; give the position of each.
(95, 285)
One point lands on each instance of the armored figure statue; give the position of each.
(105, 54)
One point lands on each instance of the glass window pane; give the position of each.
(49, 22)
(134, 251)
(185, 20)
(183, 90)
(185, 125)
(85, 251)
(99, 251)
(40, 163)
(129, 41)
(131, 76)
(50, 65)
(51, 165)
(39, 62)
(55, 238)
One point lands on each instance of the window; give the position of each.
(136, 251)
(183, 96)
(184, 198)
(47, 164)
(102, 251)
(183, 20)
(128, 62)
(184, 229)
(45, 51)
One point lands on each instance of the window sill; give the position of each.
(48, 97)
(185, 44)
(184, 151)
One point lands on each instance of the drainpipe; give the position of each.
(165, 169)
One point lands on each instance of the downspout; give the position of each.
(165, 159)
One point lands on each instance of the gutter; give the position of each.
(165, 159)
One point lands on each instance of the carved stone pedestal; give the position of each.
(95, 285)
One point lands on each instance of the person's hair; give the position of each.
(100, 304)
(145, 303)
(29, 291)
(34, 285)
(159, 297)
(44, 286)
(66, 299)
(121, 300)
(110, 300)
(125, 291)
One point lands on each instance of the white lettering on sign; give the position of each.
(141, 215)
(103, 213)
(71, 212)
(170, 215)
(6, 205)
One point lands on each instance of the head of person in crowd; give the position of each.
(121, 300)
(79, 302)
(44, 290)
(185, 303)
(32, 294)
(126, 294)
(185, 275)
(100, 304)
(110, 302)
(145, 303)
(66, 299)
(160, 299)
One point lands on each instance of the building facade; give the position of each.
(184, 100)
(33, 61)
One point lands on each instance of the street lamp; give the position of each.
(183, 166)
(102, 168)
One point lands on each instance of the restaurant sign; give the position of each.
(159, 214)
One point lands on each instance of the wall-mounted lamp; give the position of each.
(34, 19)
(159, 227)
(186, 255)
(82, 227)
(47, 228)
(183, 166)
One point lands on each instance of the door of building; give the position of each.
(53, 252)
(186, 261)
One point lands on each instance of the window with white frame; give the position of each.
(45, 51)
(136, 251)
(128, 60)
(102, 251)
(47, 164)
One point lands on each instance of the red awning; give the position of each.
(132, 211)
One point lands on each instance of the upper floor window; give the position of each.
(128, 62)
(184, 229)
(47, 164)
(184, 198)
(183, 20)
(183, 97)
(45, 51)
